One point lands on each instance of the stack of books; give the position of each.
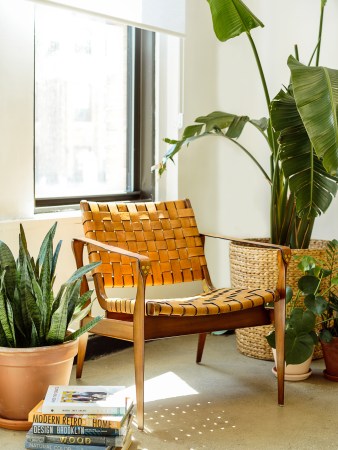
(81, 418)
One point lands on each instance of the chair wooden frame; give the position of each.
(140, 327)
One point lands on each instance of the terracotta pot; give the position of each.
(330, 353)
(26, 373)
(295, 372)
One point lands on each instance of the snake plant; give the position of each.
(301, 131)
(30, 314)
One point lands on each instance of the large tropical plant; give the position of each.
(301, 131)
(30, 314)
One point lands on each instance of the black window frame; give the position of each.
(140, 156)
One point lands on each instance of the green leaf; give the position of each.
(288, 294)
(316, 94)
(82, 271)
(73, 296)
(41, 305)
(219, 120)
(189, 131)
(83, 329)
(34, 340)
(308, 284)
(55, 259)
(58, 325)
(307, 263)
(236, 127)
(302, 321)
(271, 338)
(6, 320)
(46, 248)
(3, 340)
(298, 347)
(7, 263)
(316, 304)
(325, 335)
(231, 18)
(81, 306)
(334, 281)
(261, 124)
(79, 314)
(33, 313)
(217, 123)
(312, 186)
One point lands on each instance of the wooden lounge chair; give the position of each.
(143, 244)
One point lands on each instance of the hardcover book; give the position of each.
(80, 439)
(42, 428)
(86, 400)
(56, 446)
(79, 420)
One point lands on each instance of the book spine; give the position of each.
(76, 440)
(84, 409)
(54, 446)
(41, 428)
(65, 419)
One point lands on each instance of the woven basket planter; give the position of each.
(255, 267)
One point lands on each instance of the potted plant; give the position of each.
(317, 286)
(323, 301)
(36, 346)
(300, 131)
(300, 336)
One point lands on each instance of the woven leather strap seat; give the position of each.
(218, 301)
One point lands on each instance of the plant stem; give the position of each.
(271, 134)
(322, 7)
(260, 69)
(248, 153)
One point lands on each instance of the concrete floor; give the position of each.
(227, 402)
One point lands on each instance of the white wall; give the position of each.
(228, 193)
(16, 112)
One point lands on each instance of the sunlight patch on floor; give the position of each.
(166, 385)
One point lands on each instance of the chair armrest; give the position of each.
(113, 249)
(285, 251)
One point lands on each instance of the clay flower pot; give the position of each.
(295, 372)
(26, 373)
(330, 353)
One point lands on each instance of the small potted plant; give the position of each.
(317, 286)
(300, 338)
(36, 346)
(323, 301)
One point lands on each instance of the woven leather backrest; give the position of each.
(166, 232)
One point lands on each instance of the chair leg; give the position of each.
(200, 346)
(83, 340)
(280, 347)
(139, 381)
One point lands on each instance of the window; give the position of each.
(88, 125)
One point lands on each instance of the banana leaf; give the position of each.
(217, 123)
(231, 18)
(316, 94)
(312, 186)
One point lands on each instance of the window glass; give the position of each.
(83, 105)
